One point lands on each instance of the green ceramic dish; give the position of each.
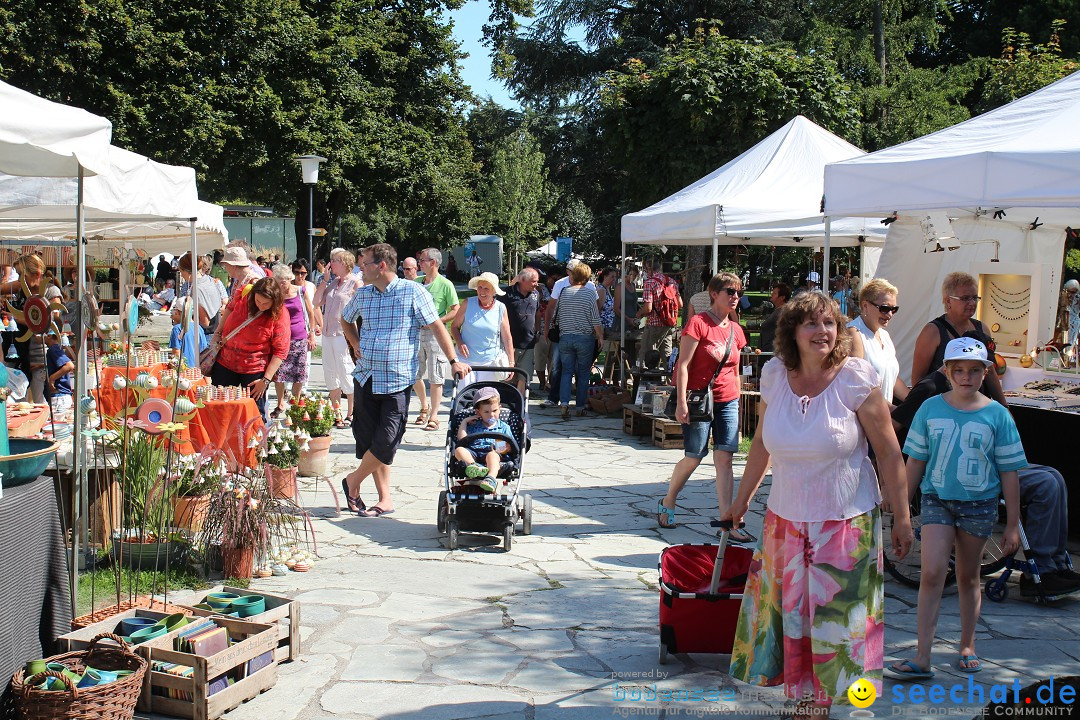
(248, 605)
(28, 459)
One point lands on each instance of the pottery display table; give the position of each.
(35, 608)
(227, 424)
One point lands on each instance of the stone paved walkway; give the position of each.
(564, 627)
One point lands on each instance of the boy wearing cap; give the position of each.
(481, 454)
(963, 452)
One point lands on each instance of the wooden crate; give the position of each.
(667, 434)
(636, 422)
(281, 612)
(80, 639)
(257, 639)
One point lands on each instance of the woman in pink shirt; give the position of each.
(253, 355)
(812, 615)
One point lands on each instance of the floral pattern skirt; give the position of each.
(812, 616)
(294, 369)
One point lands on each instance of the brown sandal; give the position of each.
(433, 424)
(423, 416)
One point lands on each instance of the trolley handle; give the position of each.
(494, 436)
(718, 564)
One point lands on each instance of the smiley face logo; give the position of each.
(862, 693)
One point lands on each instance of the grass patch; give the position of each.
(744, 444)
(99, 586)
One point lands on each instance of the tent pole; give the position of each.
(825, 282)
(715, 256)
(622, 318)
(79, 500)
(192, 293)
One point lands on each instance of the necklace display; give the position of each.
(1007, 304)
(1014, 303)
(1001, 312)
(1002, 292)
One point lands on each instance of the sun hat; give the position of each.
(235, 256)
(966, 348)
(490, 278)
(484, 393)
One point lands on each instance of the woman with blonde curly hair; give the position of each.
(814, 598)
(870, 340)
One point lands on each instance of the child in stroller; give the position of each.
(482, 455)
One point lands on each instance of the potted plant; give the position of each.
(311, 418)
(198, 477)
(282, 450)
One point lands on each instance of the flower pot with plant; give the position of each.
(282, 452)
(198, 477)
(311, 417)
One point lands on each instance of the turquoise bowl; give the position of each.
(147, 633)
(221, 600)
(248, 605)
(28, 459)
(131, 624)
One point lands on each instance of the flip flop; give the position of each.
(913, 672)
(355, 504)
(665, 517)
(738, 535)
(376, 511)
(959, 664)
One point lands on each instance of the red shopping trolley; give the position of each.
(701, 590)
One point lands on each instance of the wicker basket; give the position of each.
(111, 701)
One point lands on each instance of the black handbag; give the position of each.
(699, 403)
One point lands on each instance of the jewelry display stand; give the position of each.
(1011, 297)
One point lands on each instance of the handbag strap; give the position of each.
(727, 349)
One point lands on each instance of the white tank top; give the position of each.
(882, 355)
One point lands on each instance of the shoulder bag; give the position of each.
(208, 357)
(699, 403)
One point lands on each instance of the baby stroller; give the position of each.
(466, 508)
(701, 590)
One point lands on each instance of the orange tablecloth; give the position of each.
(111, 402)
(223, 423)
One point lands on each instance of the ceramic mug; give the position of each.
(131, 624)
(248, 605)
(55, 683)
(220, 600)
(94, 677)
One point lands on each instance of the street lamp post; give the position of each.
(309, 168)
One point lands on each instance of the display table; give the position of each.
(227, 424)
(35, 607)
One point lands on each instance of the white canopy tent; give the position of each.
(1001, 185)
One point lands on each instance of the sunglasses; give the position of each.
(732, 291)
(966, 298)
(888, 308)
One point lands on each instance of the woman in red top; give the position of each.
(254, 354)
(705, 340)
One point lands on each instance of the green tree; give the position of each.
(1024, 67)
(516, 195)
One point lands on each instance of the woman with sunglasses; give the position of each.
(870, 340)
(705, 342)
(959, 295)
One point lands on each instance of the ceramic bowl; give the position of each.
(220, 600)
(248, 605)
(131, 624)
(147, 633)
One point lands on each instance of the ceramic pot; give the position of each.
(313, 460)
(281, 481)
(248, 605)
(148, 556)
(190, 512)
(239, 562)
(220, 600)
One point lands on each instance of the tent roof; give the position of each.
(1023, 154)
(42, 138)
(769, 195)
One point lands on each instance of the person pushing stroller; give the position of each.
(482, 455)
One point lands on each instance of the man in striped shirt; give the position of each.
(393, 311)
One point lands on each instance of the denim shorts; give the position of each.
(975, 517)
(725, 431)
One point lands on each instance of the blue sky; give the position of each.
(476, 69)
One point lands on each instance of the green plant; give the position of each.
(145, 506)
(198, 474)
(282, 448)
(244, 514)
(312, 415)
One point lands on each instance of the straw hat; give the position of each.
(487, 277)
(235, 256)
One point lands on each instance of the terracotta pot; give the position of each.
(190, 512)
(280, 481)
(313, 460)
(239, 562)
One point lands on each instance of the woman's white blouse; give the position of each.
(882, 356)
(820, 467)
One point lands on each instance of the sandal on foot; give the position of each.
(908, 670)
(665, 517)
(277, 412)
(963, 666)
(375, 511)
(422, 417)
(739, 535)
(432, 424)
(355, 504)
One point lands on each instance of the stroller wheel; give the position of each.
(452, 533)
(526, 515)
(508, 536)
(441, 513)
(996, 590)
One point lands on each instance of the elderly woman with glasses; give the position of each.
(870, 340)
(959, 295)
(1071, 304)
(709, 358)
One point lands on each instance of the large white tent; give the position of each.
(1002, 185)
(769, 195)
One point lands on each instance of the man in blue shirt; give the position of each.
(392, 311)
